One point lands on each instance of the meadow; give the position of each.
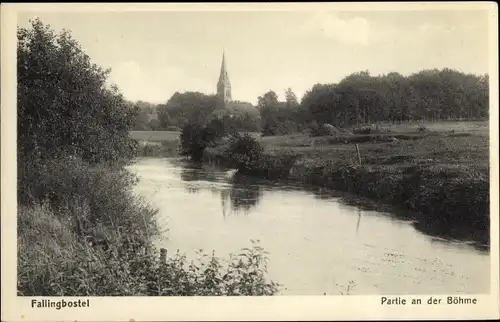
(445, 143)
(454, 143)
(154, 136)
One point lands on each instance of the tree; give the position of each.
(269, 99)
(164, 119)
(279, 117)
(64, 105)
(146, 118)
(195, 138)
(323, 104)
(291, 99)
(183, 108)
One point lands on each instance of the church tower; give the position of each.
(223, 86)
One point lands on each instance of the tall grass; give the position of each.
(82, 231)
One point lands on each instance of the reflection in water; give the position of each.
(244, 197)
(243, 193)
(240, 198)
(193, 188)
(359, 221)
(197, 173)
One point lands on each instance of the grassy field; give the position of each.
(452, 148)
(155, 136)
(465, 126)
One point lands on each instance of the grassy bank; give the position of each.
(441, 177)
(81, 231)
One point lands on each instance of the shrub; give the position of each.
(195, 138)
(320, 130)
(363, 130)
(244, 152)
(192, 141)
(422, 128)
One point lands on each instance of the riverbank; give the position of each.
(83, 232)
(441, 177)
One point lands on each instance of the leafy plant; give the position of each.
(244, 152)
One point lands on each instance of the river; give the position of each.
(317, 243)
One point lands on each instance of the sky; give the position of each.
(154, 54)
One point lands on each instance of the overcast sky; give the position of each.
(154, 54)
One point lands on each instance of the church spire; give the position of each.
(224, 85)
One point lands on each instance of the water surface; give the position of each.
(317, 242)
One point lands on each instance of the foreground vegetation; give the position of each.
(81, 229)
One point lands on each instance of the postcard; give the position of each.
(249, 161)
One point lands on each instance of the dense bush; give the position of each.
(370, 129)
(63, 103)
(422, 128)
(195, 138)
(326, 130)
(244, 152)
(193, 141)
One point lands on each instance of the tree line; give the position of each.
(429, 95)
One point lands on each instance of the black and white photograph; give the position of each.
(281, 151)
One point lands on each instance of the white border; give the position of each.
(214, 308)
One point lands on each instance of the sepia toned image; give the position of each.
(174, 153)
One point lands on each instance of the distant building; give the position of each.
(223, 85)
(224, 95)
